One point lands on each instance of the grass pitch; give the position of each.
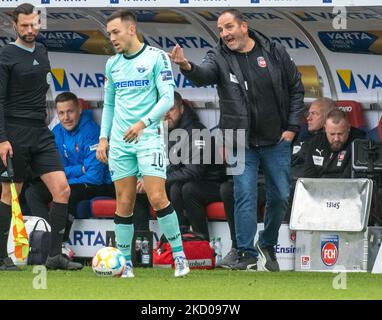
(158, 284)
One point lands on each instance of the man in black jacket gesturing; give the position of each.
(260, 91)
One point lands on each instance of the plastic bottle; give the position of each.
(138, 248)
(145, 257)
(212, 243)
(218, 251)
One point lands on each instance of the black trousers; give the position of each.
(174, 193)
(38, 197)
(198, 195)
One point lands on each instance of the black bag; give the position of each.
(39, 244)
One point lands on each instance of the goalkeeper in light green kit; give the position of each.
(139, 90)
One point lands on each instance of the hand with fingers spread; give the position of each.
(5, 148)
(134, 132)
(177, 56)
(102, 150)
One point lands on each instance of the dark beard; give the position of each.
(24, 38)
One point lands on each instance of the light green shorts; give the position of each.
(144, 158)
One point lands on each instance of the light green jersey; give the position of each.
(137, 87)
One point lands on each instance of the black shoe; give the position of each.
(245, 262)
(6, 264)
(62, 263)
(268, 258)
(230, 259)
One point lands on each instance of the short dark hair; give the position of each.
(336, 115)
(178, 100)
(25, 8)
(124, 14)
(66, 96)
(236, 13)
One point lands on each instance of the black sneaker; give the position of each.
(268, 258)
(245, 262)
(6, 264)
(230, 259)
(61, 262)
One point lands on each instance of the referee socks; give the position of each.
(5, 225)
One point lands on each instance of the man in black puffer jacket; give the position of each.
(188, 141)
(260, 91)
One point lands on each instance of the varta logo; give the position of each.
(347, 81)
(60, 80)
(184, 42)
(319, 16)
(82, 80)
(350, 81)
(131, 83)
(213, 16)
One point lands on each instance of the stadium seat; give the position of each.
(355, 112)
(84, 105)
(376, 133)
(83, 210)
(215, 211)
(103, 207)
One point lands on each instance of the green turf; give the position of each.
(156, 284)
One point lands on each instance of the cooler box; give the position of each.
(330, 218)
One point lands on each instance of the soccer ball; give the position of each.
(108, 262)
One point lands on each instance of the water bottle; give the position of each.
(138, 248)
(218, 251)
(212, 243)
(145, 257)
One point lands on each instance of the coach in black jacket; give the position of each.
(329, 152)
(260, 91)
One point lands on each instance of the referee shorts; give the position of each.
(34, 152)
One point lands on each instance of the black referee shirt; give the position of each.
(24, 82)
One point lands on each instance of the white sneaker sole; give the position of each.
(128, 276)
(185, 272)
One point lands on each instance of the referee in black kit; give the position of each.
(24, 82)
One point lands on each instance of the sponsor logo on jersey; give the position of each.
(131, 84)
(166, 75)
(329, 249)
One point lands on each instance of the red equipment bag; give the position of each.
(197, 249)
